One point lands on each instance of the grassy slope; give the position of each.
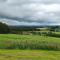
(29, 55)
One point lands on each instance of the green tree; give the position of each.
(4, 28)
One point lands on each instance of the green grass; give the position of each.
(29, 55)
(13, 41)
(57, 32)
(16, 37)
(11, 45)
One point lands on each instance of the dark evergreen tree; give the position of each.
(4, 28)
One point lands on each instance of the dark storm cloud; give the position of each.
(30, 12)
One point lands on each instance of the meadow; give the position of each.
(30, 42)
(29, 55)
(29, 47)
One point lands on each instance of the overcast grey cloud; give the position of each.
(30, 12)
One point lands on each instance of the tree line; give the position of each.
(4, 29)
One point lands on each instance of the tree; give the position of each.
(52, 29)
(4, 28)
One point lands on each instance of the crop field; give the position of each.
(29, 47)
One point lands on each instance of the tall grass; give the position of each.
(29, 42)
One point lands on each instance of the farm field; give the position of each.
(29, 55)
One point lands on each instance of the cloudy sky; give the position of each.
(30, 12)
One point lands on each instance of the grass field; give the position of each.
(11, 41)
(16, 37)
(29, 55)
(29, 47)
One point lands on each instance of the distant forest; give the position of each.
(4, 29)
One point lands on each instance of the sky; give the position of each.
(30, 12)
